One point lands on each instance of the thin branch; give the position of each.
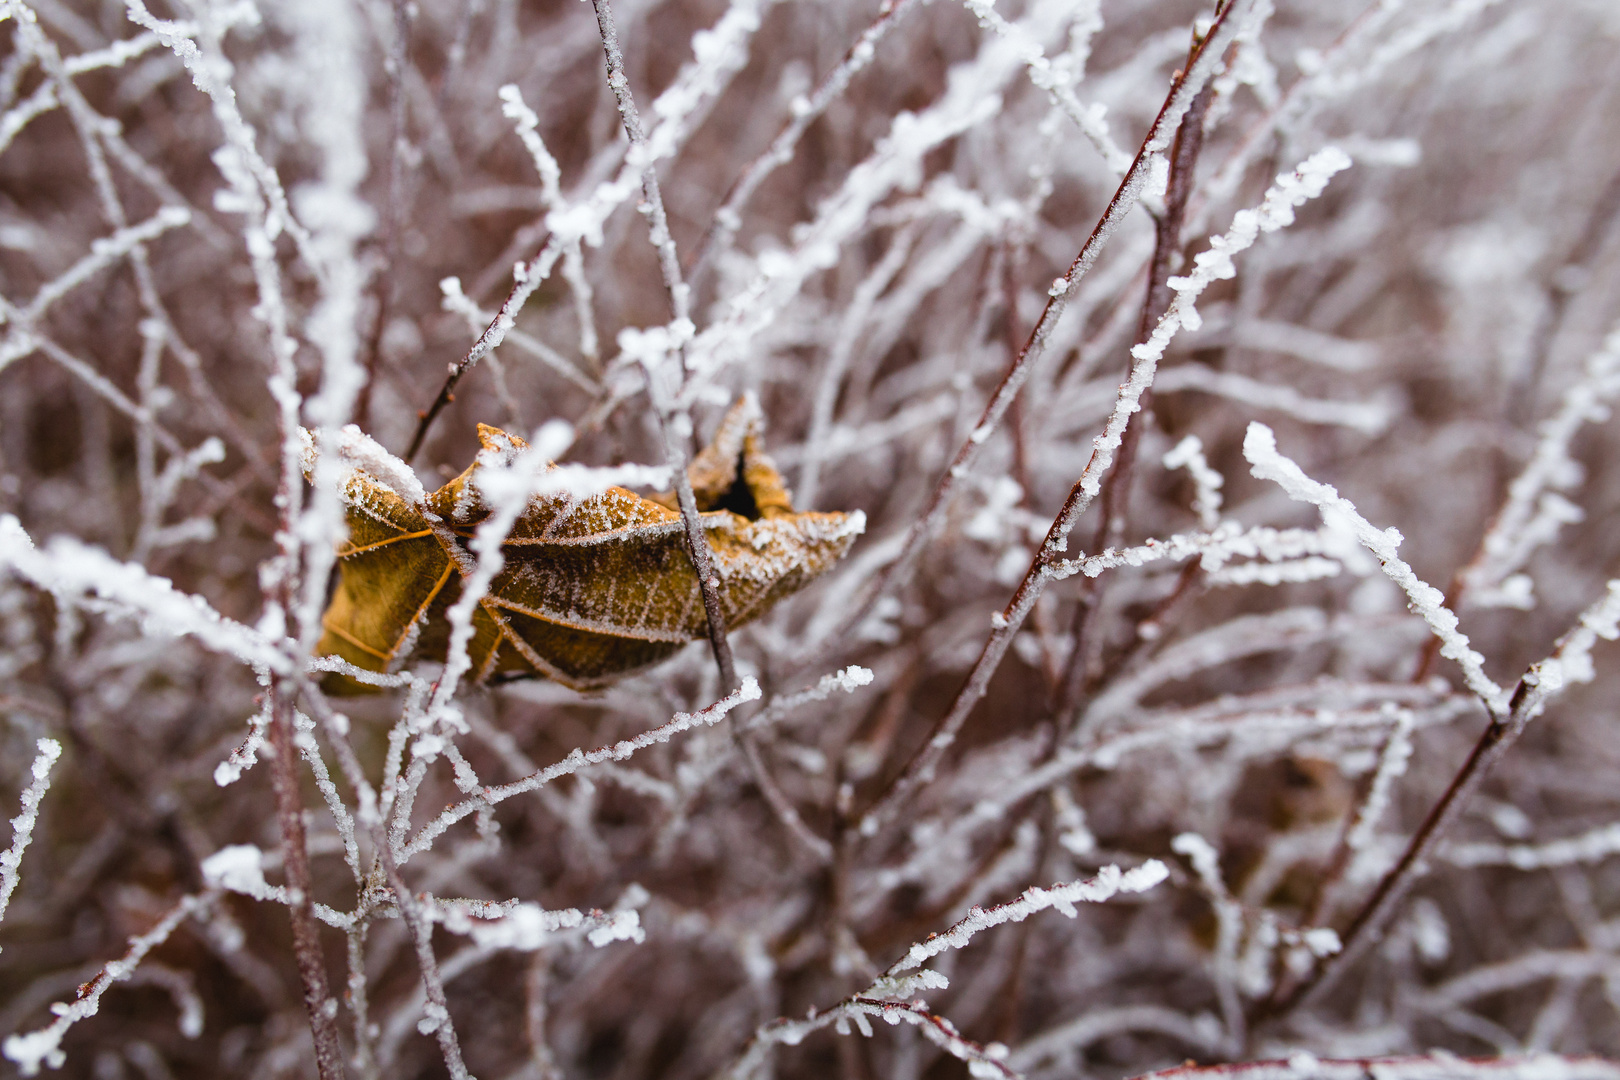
(22, 826)
(318, 1001)
(1289, 191)
(394, 212)
(1569, 662)
(1435, 1066)
(420, 928)
(675, 425)
(1116, 488)
(806, 110)
(1185, 88)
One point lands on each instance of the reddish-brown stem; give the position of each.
(1187, 86)
(697, 541)
(1112, 503)
(1427, 1066)
(447, 392)
(1116, 486)
(318, 1000)
(1364, 930)
(920, 769)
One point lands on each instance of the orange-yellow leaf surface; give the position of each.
(593, 588)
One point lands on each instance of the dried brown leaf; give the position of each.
(592, 588)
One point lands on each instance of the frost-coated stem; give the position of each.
(806, 110)
(318, 1001)
(902, 979)
(1570, 662)
(1116, 489)
(1166, 245)
(1276, 210)
(581, 759)
(675, 424)
(22, 826)
(437, 1019)
(44, 1046)
(526, 280)
(1186, 87)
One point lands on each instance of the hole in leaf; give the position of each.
(739, 497)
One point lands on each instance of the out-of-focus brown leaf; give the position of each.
(592, 588)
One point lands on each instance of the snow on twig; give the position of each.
(1276, 210)
(1109, 882)
(884, 997)
(44, 1046)
(22, 826)
(1266, 463)
(582, 759)
(1535, 510)
(76, 573)
(1057, 84)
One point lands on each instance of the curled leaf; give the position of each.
(593, 588)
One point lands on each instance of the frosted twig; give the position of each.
(1109, 882)
(103, 253)
(1206, 863)
(1367, 417)
(436, 1015)
(847, 679)
(22, 826)
(1276, 210)
(75, 572)
(528, 927)
(526, 278)
(1266, 463)
(256, 192)
(1248, 726)
(1391, 767)
(245, 169)
(817, 439)
(1057, 83)
(1158, 138)
(528, 129)
(310, 751)
(1213, 549)
(417, 919)
(1189, 454)
(972, 96)
(581, 759)
(19, 116)
(719, 53)
(1594, 845)
(805, 111)
(673, 420)
(885, 996)
(1534, 511)
(1331, 73)
(239, 868)
(1571, 661)
(44, 1046)
(21, 340)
